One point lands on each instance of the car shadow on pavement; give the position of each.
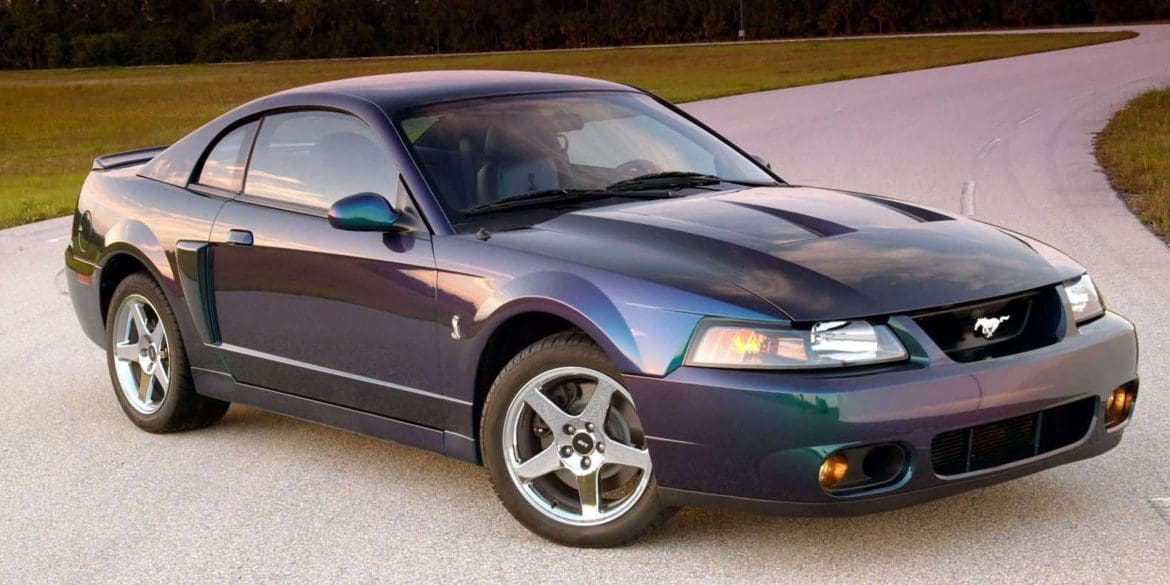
(996, 512)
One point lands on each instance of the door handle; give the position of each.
(239, 238)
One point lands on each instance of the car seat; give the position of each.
(518, 158)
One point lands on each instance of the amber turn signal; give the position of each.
(833, 470)
(1118, 405)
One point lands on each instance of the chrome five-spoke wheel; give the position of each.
(142, 362)
(148, 362)
(574, 447)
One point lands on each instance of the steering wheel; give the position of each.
(637, 167)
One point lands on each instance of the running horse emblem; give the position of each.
(987, 326)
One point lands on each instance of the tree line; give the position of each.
(86, 33)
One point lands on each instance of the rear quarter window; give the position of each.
(223, 167)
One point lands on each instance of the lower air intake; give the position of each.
(1011, 439)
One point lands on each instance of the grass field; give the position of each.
(1134, 149)
(52, 123)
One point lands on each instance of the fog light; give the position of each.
(833, 470)
(1119, 404)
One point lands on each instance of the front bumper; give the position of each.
(756, 439)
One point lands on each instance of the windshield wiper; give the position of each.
(547, 196)
(678, 179)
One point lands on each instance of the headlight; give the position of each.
(830, 344)
(1084, 298)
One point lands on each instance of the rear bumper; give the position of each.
(755, 440)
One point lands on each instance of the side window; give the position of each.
(313, 158)
(224, 166)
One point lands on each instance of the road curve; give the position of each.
(85, 497)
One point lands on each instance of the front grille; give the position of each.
(1011, 439)
(997, 327)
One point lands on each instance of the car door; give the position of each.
(343, 317)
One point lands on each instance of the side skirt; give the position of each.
(222, 386)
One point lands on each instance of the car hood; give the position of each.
(815, 254)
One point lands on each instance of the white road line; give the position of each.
(986, 150)
(1025, 119)
(967, 199)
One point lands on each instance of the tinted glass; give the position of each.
(481, 151)
(224, 166)
(312, 159)
(609, 143)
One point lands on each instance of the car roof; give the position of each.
(388, 94)
(395, 91)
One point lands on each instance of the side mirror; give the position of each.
(763, 161)
(364, 212)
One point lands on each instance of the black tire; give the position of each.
(181, 408)
(560, 350)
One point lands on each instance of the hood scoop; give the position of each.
(821, 227)
(913, 211)
(718, 219)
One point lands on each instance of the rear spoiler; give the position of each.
(124, 159)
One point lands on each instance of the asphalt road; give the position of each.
(86, 497)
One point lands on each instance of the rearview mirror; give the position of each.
(763, 161)
(566, 122)
(364, 212)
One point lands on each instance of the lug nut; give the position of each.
(570, 429)
(600, 447)
(566, 451)
(586, 462)
(589, 427)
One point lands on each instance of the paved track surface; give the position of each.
(85, 497)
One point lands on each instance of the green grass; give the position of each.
(1134, 150)
(53, 122)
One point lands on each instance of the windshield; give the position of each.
(477, 153)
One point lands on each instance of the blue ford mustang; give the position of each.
(610, 306)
